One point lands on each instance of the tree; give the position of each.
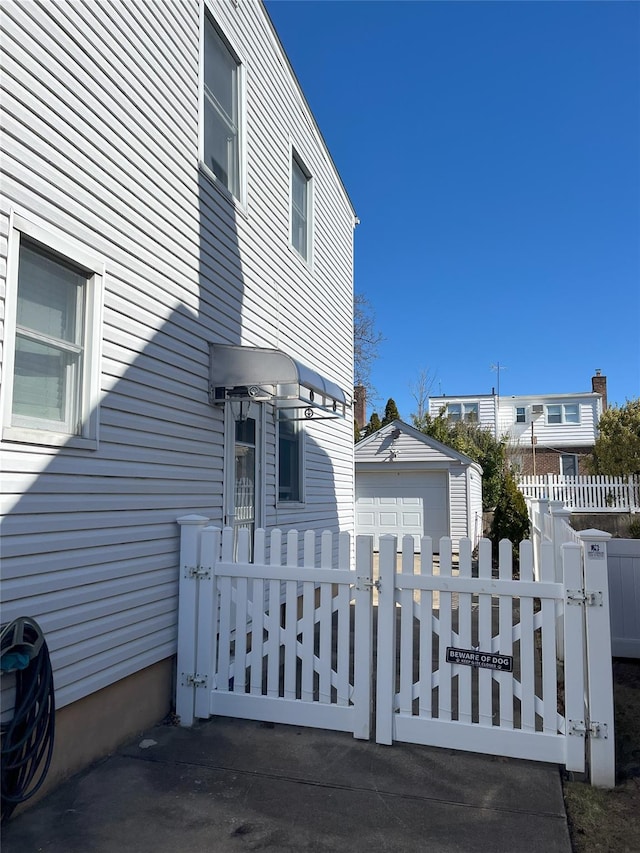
(617, 449)
(511, 518)
(474, 441)
(373, 426)
(420, 391)
(366, 341)
(391, 412)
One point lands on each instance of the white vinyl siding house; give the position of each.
(117, 170)
(558, 423)
(409, 484)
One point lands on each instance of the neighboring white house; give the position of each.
(407, 483)
(547, 433)
(176, 253)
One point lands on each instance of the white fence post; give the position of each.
(386, 662)
(559, 514)
(207, 609)
(190, 527)
(574, 669)
(599, 667)
(363, 637)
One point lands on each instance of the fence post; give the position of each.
(601, 739)
(363, 637)
(559, 513)
(190, 527)
(574, 669)
(386, 662)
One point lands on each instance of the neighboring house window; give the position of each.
(463, 411)
(221, 131)
(300, 198)
(289, 458)
(569, 465)
(521, 415)
(563, 414)
(53, 323)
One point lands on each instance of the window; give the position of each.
(54, 297)
(563, 414)
(569, 465)
(289, 458)
(300, 207)
(521, 415)
(221, 109)
(463, 411)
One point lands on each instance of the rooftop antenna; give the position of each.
(497, 367)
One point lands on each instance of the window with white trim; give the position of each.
(521, 415)
(221, 144)
(290, 461)
(563, 413)
(463, 412)
(54, 299)
(300, 208)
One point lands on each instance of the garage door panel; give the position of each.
(419, 501)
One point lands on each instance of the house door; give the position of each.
(243, 474)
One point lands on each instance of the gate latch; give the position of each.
(592, 730)
(365, 583)
(193, 679)
(580, 596)
(199, 572)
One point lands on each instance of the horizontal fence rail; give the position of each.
(585, 493)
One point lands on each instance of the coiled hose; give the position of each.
(27, 739)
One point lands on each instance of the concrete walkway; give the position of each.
(234, 785)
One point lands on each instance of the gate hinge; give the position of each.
(193, 679)
(581, 596)
(199, 572)
(592, 730)
(365, 583)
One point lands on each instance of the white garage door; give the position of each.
(401, 503)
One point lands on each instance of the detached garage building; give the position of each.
(409, 483)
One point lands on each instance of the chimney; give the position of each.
(599, 386)
(360, 406)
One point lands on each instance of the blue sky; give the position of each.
(492, 154)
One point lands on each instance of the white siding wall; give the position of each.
(106, 151)
(475, 500)
(568, 435)
(408, 449)
(458, 504)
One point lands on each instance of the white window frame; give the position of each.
(69, 250)
(563, 414)
(523, 410)
(464, 410)
(207, 11)
(576, 463)
(300, 433)
(295, 157)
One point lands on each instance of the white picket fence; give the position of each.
(585, 493)
(466, 653)
(550, 521)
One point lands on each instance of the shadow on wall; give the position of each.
(90, 549)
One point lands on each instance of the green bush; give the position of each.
(510, 519)
(634, 529)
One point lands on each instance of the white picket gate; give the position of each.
(466, 653)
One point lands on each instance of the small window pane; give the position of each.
(471, 412)
(221, 108)
(299, 209)
(48, 296)
(454, 411)
(521, 415)
(554, 414)
(289, 459)
(571, 414)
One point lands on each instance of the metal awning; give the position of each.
(272, 376)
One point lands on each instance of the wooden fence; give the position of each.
(585, 494)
